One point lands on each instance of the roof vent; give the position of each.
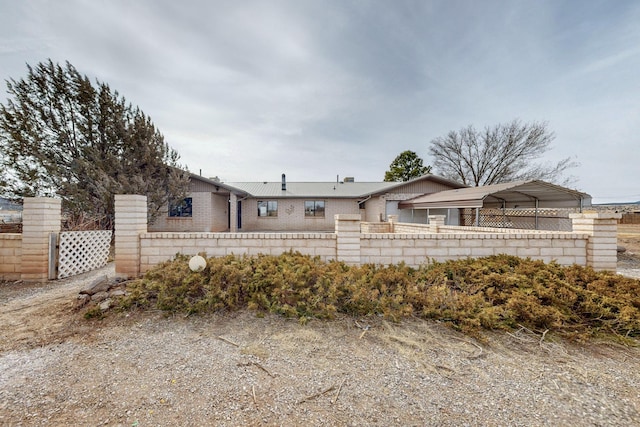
(284, 182)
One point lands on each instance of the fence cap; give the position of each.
(348, 217)
(595, 215)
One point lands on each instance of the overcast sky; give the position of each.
(248, 90)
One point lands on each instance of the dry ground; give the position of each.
(139, 369)
(629, 238)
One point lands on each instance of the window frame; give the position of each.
(183, 209)
(271, 208)
(315, 209)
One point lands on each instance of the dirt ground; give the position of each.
(143, 369)
(629, 238)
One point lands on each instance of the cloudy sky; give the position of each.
(247, 90)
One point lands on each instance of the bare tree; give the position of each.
(502, 153)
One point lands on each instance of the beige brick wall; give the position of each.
(592, 242)
(10, 256)
(130, 222)
(41, 217)
(158, 247)
(602, 228)
(375, 227)
(210, 214)
(291, 215)
(416, 249)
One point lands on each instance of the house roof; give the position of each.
(8, 205)
(312, 189)
(219, 187)
(328, 189)
(510, 194)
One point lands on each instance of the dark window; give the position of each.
(314, 208)
(181, 209)
(268, 208)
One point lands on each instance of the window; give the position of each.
(181, 209)
(268, 208)
(314, 208)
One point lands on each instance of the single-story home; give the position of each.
(214, 206)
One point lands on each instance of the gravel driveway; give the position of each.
(143, 369)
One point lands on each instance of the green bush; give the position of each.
(496, 292)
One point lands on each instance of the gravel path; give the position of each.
(144, 369)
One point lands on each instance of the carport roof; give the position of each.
(511, 194)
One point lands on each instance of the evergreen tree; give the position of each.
(407, 165)
(61, 136)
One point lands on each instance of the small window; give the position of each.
(268, 208)
(314, 208)
(181, 209)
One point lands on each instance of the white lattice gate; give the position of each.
(82, 251)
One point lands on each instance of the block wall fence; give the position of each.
(593, 241)
(25, 256)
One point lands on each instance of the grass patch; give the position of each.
(496, 292)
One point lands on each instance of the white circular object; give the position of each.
(197, 263)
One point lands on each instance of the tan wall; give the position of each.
(41, 217)
(593, 242)
(375, 209)
(417, 249)
(291, 215)
(209, 215)
(158, 247)
(10, 256)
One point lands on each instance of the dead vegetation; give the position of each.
(493, 293)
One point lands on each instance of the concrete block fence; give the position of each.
(25, 256)
(593, 241)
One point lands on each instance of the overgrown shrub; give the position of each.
(496, 292)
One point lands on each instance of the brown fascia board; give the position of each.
(426, 177)
(218, 184)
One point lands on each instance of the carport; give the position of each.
(532, 194)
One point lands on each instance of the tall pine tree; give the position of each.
(62, 136)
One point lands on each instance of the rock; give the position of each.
(105, 305)
(101, 284)
(621, 249)
(82, 300)
(99, 296)
(117, 293)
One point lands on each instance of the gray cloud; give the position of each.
(248, 90)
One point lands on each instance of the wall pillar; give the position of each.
(436, 221)
(348, 238)
(41, 216)
(602, 253)
(393, 220)
(130, 222)
(233, 213)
